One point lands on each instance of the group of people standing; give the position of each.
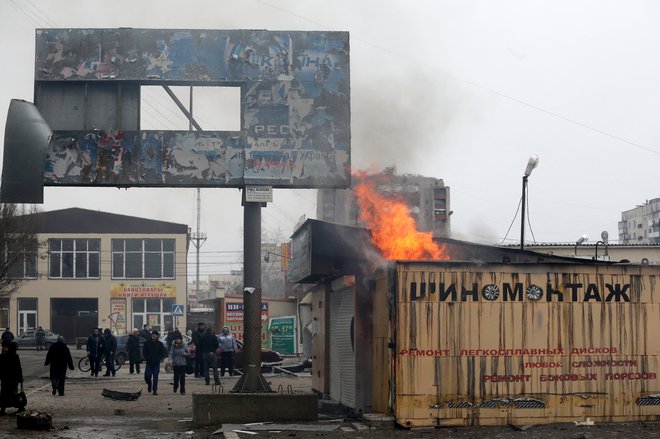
(100, 345)
(207, 344)
(153, 352)
(103, 345)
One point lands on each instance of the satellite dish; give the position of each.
(604, 236)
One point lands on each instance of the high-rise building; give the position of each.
(427, 199)
(641, 225)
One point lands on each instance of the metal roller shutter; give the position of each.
(342, 354)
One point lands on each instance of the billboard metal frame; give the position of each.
(295, 107)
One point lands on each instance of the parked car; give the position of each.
(269, 357)
(28, 340)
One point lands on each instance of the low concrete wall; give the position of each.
(239, 408)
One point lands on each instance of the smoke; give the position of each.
(399, 119)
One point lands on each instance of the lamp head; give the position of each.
(604, 236)
(582, 239)
(531, 164)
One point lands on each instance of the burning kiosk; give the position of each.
(499, 336)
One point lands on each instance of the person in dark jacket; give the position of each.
(109, 349)
(58, 358)
(95, 351)
(11, 374)
(145, 333)
(153, 352)
(7, 335)
(196, 338)
(39, 338)
(207, 346)
(134, 354)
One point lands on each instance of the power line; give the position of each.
(41, 14)
(417, 62)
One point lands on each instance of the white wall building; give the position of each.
(641, 225)
(101, 269)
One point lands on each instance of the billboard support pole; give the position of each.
(252, 381)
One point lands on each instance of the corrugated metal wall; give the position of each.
(342, 354)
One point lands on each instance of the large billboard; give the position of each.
(294, 105)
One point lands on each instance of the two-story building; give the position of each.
(100, 269)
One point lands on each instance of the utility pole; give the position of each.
(198, 238)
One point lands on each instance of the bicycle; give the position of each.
(84, 364)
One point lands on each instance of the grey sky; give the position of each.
(461, 90)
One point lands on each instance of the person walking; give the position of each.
(39, 338)
(179, 355)
(207, 346)
(95, 351)
(110, 347)
(227, 344)
(196, 339)
(11, 375)
(153, 352)
(58, 358)
(133, 347)
(7, 335)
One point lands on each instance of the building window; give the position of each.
(74, 258)
(143, 258)
(19, 262)
(157, 313)
(4, 313)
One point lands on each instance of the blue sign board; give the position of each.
(177, 310)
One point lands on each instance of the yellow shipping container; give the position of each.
(486, 344)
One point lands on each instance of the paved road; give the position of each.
(83, 412)
(32, 362)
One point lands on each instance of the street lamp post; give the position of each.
(531, 164)
(604, 241)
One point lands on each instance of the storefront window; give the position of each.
(157, 313)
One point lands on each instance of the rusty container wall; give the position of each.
(382, 354)
(484, 344)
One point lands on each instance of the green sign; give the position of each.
(283, 334)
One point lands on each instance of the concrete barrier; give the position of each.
(240, 408)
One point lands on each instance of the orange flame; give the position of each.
(393, 229)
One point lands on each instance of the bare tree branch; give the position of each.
(19, 244)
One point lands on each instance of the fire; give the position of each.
(393, 229)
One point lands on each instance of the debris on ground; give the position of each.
(121, 396)
(520, 427)
(34, 420)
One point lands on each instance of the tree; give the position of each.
(19, 245)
